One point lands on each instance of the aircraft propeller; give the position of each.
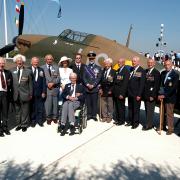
(11, 46)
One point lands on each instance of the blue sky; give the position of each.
(111, 19)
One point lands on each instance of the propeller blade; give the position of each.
(7, 49)
(21, 19)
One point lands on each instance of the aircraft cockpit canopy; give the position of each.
(71, 35)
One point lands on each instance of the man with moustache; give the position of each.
(91, 80)
(6, 90)
(135, 92)
(150, 93)
(120, 91)
(53, 83)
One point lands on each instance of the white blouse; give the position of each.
(64, 75)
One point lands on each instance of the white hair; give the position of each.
(108, 60)
(23, 58)
(73, 75)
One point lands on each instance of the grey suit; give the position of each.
(51, 104)
(22, 93)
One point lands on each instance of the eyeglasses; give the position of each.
(78, 58)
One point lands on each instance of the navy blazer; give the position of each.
(169, 89)
(39, 86)
(92, 76)
(152, 84)
(78, 72)
(79, 89)
(136, 83)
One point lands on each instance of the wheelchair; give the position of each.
(80, 119)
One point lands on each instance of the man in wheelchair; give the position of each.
(73, 97)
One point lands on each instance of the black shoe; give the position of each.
(72, 130)
(24, 129)
(1, 134)
(7, 132)
(95, 119)
(62, 133)
(88, 118)
(128, 124)
(33, 125)
(146, 128)
(134, 126)
(41, 125)
(18, 128)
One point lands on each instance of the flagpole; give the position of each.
(5, 27)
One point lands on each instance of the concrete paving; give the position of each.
(102, 151)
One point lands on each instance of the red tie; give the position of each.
(3, 83)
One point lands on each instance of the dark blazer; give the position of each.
(39, 86)
(121, 82)
(92, 76)
(169, 89)
(78, 72)
(136, 83)
(9, 82)
(152, 84)
(79, 89)
(107, 83)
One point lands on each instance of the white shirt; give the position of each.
(74, 92)
(108, 71)
(1, 89)
(36, 75)
(64, 75)
(21, 70)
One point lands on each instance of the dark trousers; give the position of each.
(92, 104)
(37, 110)
(149, 108)
(3, 111)
(22, 112)
(133, 110)
(119, 109)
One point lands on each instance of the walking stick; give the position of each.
(161, 117)
(99, 107)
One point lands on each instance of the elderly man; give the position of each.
(39, 93)
(150, 93)
(120, 91)
(91, 79)
(22, 85)
(105, 91)
(6, 89)
(73, 96)
(167, 93)
(135, 92)
(53, 83)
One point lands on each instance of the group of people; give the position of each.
(37, 91)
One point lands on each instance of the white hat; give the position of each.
(64, 58)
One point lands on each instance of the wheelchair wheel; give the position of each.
(84, 117)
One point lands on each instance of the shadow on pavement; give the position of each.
(138, 169)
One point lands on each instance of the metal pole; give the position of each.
(5, 27)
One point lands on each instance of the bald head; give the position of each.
(121, 62)
(2, 63)
(135, 61)
(168, 65)
(151, 63)
(35, 61)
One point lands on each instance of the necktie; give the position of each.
(3, 83)
(18, 74)
(49, 69)
(105, 74)
(72, 90)
(78, 66)
(35, 70)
